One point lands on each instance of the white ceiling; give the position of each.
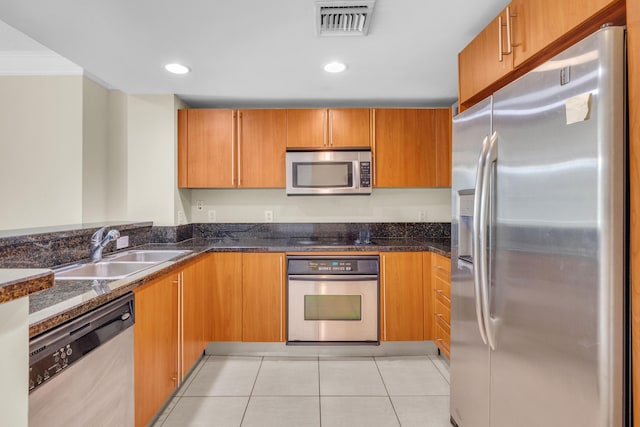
(254, 52)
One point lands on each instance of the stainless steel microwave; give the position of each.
(328, 172)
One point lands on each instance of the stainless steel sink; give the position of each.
(146, 256)
(117, 266)
(101, 270)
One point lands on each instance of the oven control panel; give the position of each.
(310, 265)
(330, 266)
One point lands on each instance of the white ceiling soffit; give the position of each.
(343, 18)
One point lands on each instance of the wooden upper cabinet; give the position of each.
(443, 147)
(480, 63)
(206, 149)
(539, 23)
(262, 296)
(530, 32)
(306, 128)
(262, 144)
(403, 299)
(350, 127)
(183, 152)
(405, 148)
(318, 128)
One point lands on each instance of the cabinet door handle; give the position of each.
(384, 295)
(373, 143)
(509, 44)
(239, 149)
(331, 128)
(324, 128)
(233, 149)
(281, 296)
(501, 51)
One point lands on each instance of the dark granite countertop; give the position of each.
(70, 298)
(19, 282)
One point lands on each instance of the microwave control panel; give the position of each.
(365, 174)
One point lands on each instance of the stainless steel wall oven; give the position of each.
(333, 300)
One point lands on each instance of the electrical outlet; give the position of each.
(200, 205)
(122, 242)
(212, 216)
(181, 218)
(423, 215)
(268, 216)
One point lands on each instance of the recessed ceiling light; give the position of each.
(335, 67)
(176, 68)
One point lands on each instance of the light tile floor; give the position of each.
(312, 391)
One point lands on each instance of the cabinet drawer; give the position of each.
(442, 336)
(441, 263)
(442, 285)
(443, 307)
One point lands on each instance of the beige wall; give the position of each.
(384, 205)
(95, 147)
(151, 152)
(72, 151)
(40, 151)
(117, 163)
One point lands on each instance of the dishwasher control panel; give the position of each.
(52, 363)
(56, 350)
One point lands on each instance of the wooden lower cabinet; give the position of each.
(262, 297)
(402, 301)
(192, 313)
(224, 297)
(244, 297)
(155, 345)
(441, 285)
(168, 336)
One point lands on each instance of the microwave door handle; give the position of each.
(478, 241)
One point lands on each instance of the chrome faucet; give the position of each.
(98, 242)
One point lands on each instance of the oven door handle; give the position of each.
(334, 277)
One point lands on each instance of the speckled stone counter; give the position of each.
(18, 282)
(70, 298)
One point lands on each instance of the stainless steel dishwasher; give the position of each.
(81, 373)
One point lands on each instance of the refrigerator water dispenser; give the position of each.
(465, 221)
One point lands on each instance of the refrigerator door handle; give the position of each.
(478, 240)
(491, 156)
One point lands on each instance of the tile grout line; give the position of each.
(440, 371)
(375, 360)
(251, 392)
(186, 384)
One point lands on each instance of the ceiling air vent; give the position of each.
(344, 18)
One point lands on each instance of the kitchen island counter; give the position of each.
(19, 282)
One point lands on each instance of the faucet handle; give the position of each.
(97, 236)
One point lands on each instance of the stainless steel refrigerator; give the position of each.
(538, 252)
